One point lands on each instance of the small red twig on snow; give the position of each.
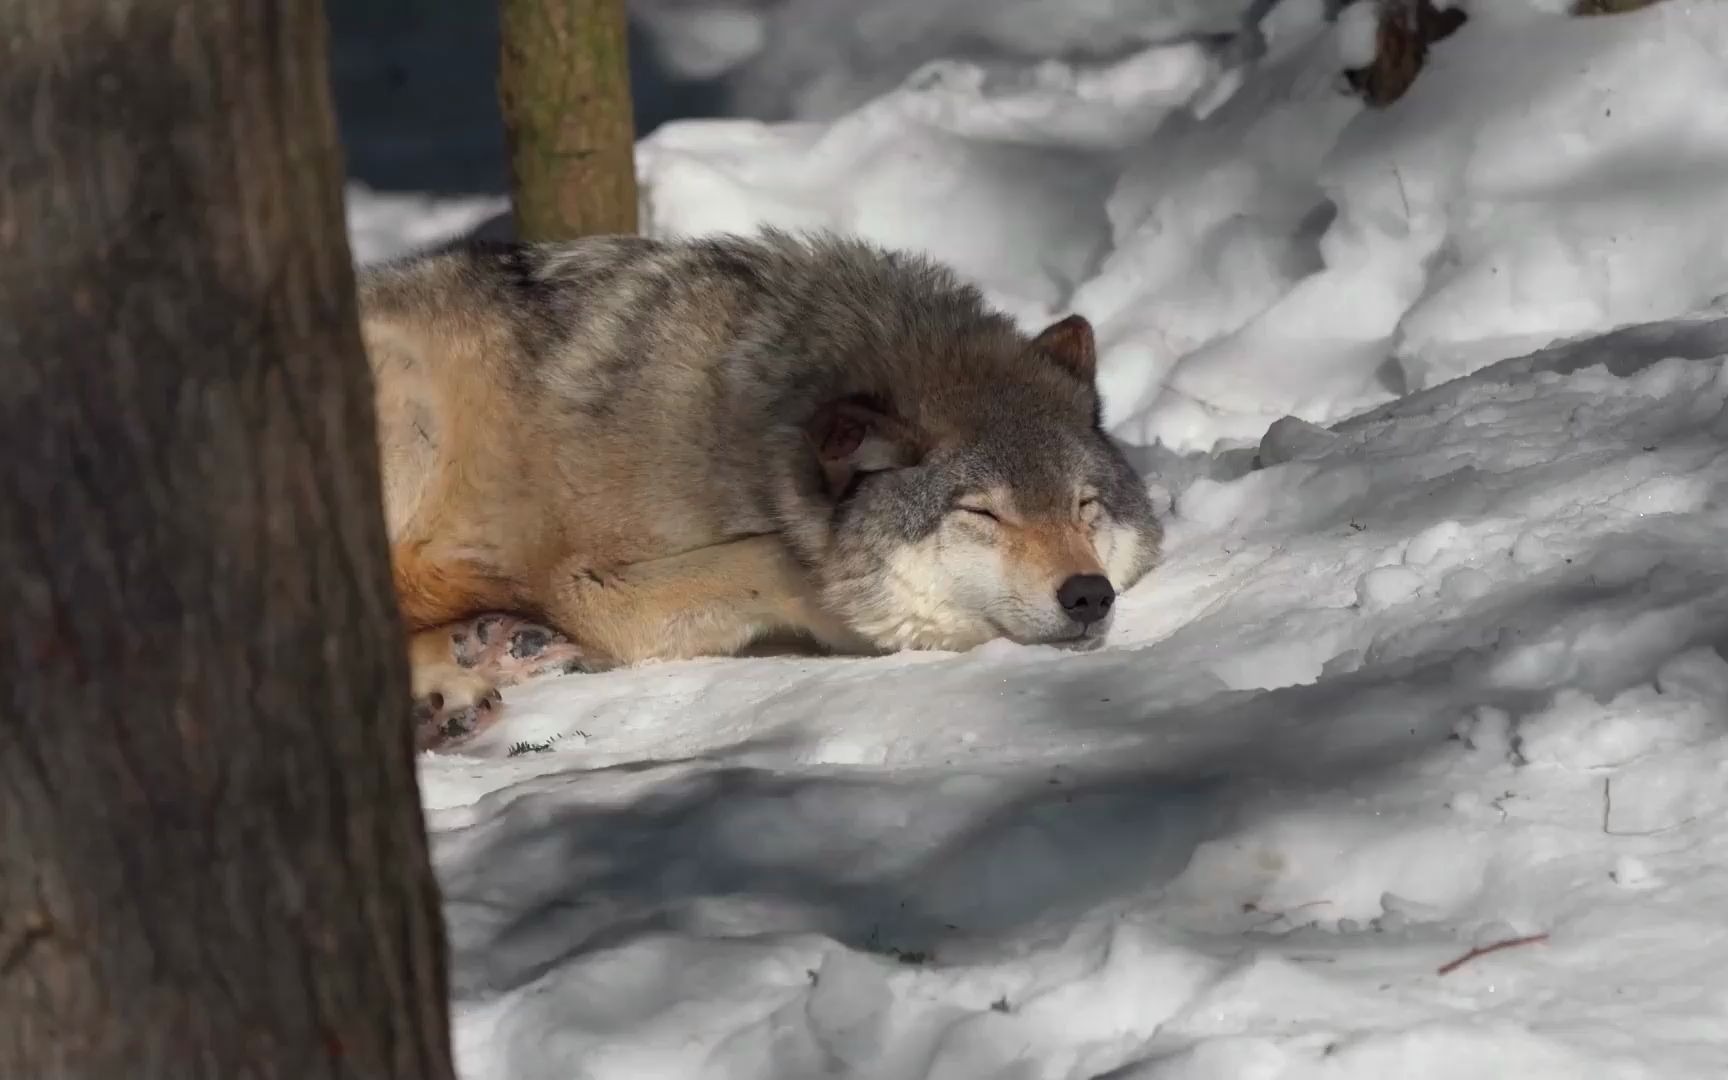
(1484, 950)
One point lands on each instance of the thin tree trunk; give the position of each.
(564, 85)
(212, 858)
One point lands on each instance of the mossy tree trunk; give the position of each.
(564, 86)
(212, 856)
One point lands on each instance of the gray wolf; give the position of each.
(669, 449)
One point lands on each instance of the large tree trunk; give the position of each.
(212, 859)
(564, 86)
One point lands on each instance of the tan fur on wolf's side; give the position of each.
(668, 450)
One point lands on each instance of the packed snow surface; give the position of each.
(1411, 760)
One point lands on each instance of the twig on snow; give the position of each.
(1484, 950)
(1608, 811)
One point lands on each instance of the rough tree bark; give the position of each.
(564, 86)
(212, 860)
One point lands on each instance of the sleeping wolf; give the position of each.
(674, 449)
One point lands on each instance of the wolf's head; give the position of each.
(984, 503)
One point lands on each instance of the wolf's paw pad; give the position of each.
(534, 651)
(452, 706)
(475, 640)
(529, 641)
(510, 649)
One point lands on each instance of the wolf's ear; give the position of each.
(856, 435)
(1070, 344)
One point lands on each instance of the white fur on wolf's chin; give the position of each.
(913, 606)
(923, 600)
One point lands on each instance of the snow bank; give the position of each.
(1267, 246)
(382, 225)
(1004, 177)
(818, 59)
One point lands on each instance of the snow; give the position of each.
(817, 59)
(382, 225)
(1436, 398)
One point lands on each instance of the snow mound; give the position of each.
(818, 59)
(384, 225)
(1003, 177)
(1253, 242)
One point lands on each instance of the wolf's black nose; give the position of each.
(1086, 597)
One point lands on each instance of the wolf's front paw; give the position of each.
(451, 706)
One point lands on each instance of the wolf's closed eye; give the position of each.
(976, 511)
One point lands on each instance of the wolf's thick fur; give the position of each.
(673, 449)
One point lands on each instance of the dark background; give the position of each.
(416, 93)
